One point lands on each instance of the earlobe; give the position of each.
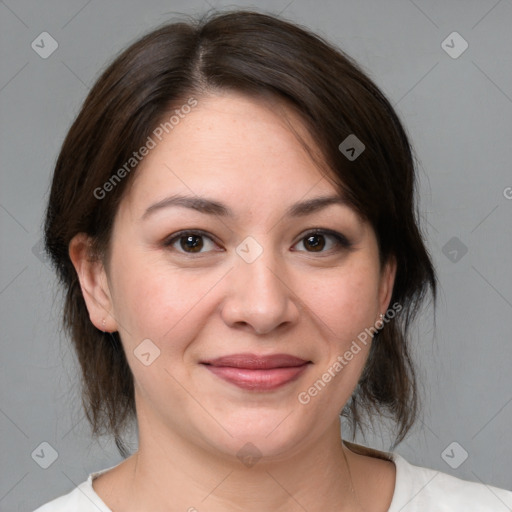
(93, 283)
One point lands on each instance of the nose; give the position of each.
(258, 296)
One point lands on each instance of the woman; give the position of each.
(232, 216)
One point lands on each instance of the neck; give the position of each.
(170, 473)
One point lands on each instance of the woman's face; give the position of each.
(215, 266)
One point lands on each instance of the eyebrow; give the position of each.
(212, 207)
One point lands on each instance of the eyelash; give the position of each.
(340, 241)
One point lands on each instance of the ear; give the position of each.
(386, 284)
(93, 282)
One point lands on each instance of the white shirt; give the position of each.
(417, 489)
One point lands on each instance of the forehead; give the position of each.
(237, 146)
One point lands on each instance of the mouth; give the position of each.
(257, 373)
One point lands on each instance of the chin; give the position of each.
(260, 433)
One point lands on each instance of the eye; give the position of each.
(320, 239)
(190, 242)
(197, 242)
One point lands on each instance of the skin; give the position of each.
(292, 299)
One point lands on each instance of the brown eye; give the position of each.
(190, 242)
(323, 241)
(314, 243)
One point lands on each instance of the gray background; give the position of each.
(458, 114)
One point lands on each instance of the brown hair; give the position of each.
(257, 54)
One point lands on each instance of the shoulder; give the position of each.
(82, 498)
(419, 489)
(423, 489)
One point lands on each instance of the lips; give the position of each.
(254, 362)
(257, 373)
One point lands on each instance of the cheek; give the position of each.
(158, 302)
(346, 301)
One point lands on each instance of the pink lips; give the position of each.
(257, 373)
